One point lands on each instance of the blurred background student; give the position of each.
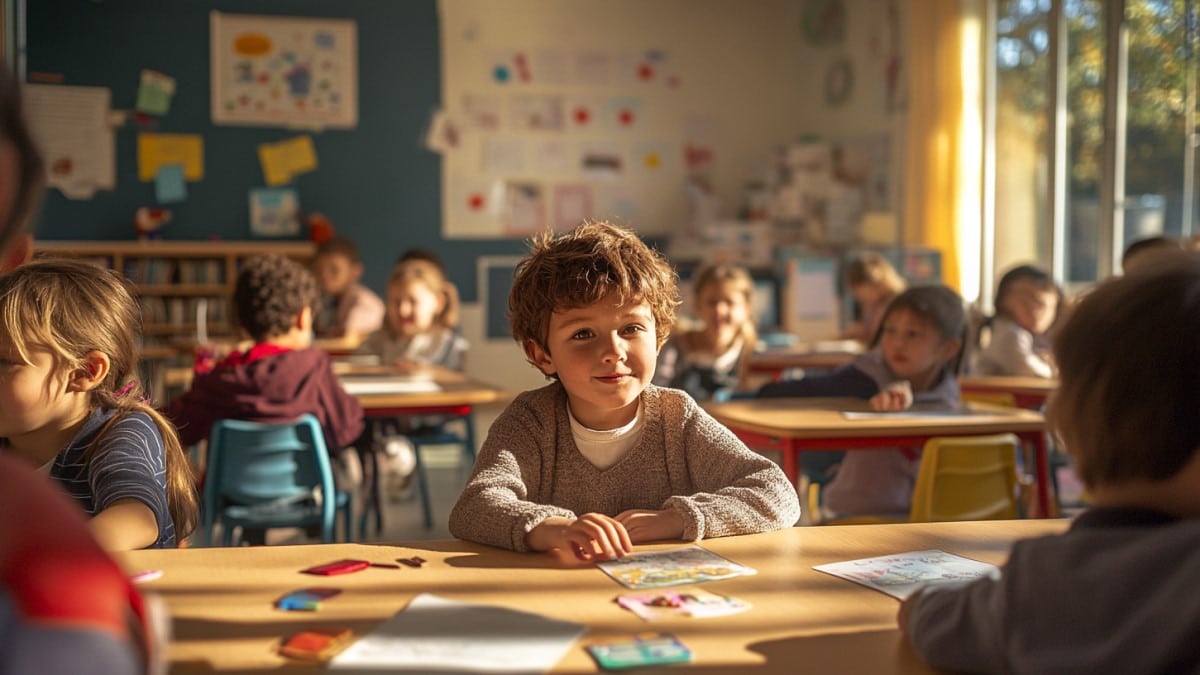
(1016, 340)
(873, 282)
(348, 311)
(710, 362)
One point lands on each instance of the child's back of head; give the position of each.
(1126, 406)
(270, 293)
(577, 268)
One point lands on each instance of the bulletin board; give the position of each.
(553, 113)
(284, 71)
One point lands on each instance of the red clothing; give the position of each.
(65, 605)
(269, 384)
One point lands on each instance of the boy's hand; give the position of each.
(646, 525)
(592, 536)
(895, 396)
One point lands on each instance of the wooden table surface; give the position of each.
(800, 620)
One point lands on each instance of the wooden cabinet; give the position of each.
(178, 282)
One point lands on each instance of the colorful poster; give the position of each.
(284, 71)
(71, 126)
(536, 113)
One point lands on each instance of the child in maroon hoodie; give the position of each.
(281, 376)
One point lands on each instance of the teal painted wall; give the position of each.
(376, 182)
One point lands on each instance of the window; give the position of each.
(1068, 195)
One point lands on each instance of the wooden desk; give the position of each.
(826, 355)
(1027, 392)
(794, 425)
(800, 620)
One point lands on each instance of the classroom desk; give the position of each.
(1027, 392)
(822, 355)
(220, 599)
(794, 425)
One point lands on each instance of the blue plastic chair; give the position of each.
(264, 475)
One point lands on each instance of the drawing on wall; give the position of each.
(284, 71)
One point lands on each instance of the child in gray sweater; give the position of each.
(601, 459)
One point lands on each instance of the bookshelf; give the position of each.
(175, 279)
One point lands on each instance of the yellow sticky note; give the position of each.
(301, 156)
(158, 150)
(275, 167)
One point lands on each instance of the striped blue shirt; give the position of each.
(127, 463)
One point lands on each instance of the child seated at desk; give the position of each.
(348, 311)
(601, 459)
(873, 282)
(914, 359)
(1028, 303)
(1116, 593)
(421, 332)
(711, 362)
(281, 376)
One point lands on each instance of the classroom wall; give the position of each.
(375, 182)
(756, 72)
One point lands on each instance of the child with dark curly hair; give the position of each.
(281, 376)
(602, 459)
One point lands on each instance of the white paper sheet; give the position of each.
(435, 634)
(71, 125)
(387, 385)
(901, 574)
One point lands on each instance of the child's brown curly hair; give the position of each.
(577, 268)
(270, 291)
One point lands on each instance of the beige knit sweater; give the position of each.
(529, 469)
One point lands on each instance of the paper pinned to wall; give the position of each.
(282, 161)
(71, 125)
(155, 151)
(154, 93)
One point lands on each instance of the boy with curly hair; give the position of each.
(601, 459)
(281, 376)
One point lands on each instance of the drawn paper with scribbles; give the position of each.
(901, 574)
(672, 567)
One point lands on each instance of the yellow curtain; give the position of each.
(942, 167)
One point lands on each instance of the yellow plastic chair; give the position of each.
(960, 478)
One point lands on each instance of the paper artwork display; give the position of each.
(622, 113)
(154, 93)
(502, 155)
(284, 71)
(284, 160)
(601, 159)
(902, 574)
(274, 212)
(170, 185)
(536, 113)
(524, 208)
(482, 112)
(71, 126)
(593, 68)
(672, 567)
(155, 151)
(572, 205)
(550, 155)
